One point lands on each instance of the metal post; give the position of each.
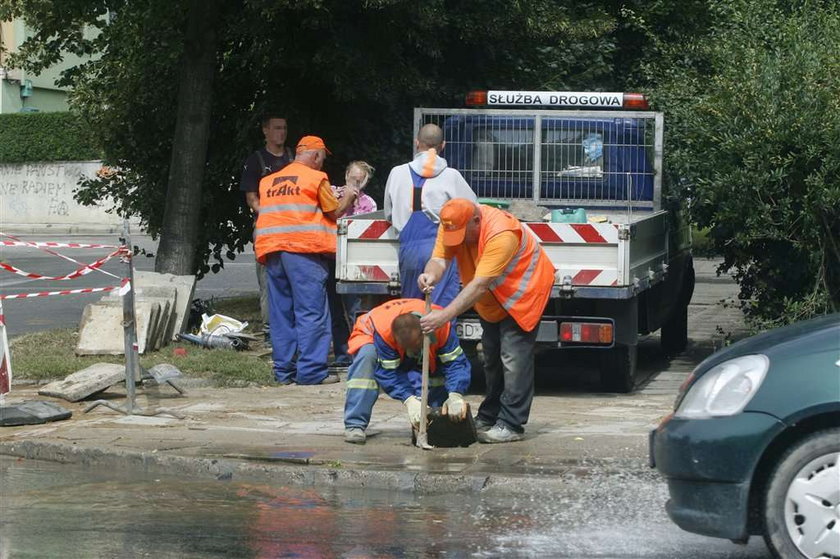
(132, 365)
(537, 178)
(132, 361)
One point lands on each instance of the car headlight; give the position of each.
(725, 389)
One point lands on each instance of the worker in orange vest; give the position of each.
(295, 235)
(387, 348)
(508, 278)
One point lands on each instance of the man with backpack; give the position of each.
(273, 156)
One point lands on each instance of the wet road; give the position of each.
(55, 510)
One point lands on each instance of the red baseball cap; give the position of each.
(454, 216)
(310, 143)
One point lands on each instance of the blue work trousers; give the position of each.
(299, 316)
(363, 390)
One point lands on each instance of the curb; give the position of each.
(418, 483)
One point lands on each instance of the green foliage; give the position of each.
(30, 137)
(348, 71)
(754, 117)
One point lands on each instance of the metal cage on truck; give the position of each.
(622, 270)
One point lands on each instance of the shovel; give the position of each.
(422, 436)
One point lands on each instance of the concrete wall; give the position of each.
(38, 198)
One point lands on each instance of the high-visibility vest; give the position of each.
(525, 285)
(290, 218)
(379, 320)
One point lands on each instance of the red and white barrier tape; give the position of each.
(51, 244)
(84, 270)
(123, 287)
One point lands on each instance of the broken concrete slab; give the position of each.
(101, 328)
(32, 412)
(185, 285)
(86, 382)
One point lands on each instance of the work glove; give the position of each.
(455, 407)
(412, 406)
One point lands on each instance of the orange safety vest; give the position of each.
(379, 320)
(525, 285)
(290, 218)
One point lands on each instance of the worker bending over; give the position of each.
(387, 345)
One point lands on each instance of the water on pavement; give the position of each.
(60, 510)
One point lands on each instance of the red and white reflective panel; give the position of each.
(371, 229)
(5, 363)
(586, 332)
(371, 273)
(592, 277)
(577, 233)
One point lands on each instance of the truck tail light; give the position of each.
(476, 98)
(635, 101)
(586, 332)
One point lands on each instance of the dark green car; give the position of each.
(753, 445)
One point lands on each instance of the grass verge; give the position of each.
(51, 354)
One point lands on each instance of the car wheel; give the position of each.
(618, 367)
(674, 334)
(802, 502)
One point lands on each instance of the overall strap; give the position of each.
(417, 181)
(264, 169)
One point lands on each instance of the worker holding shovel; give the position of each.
(387, 347)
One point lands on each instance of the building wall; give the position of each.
(46, 95)
(38, 198)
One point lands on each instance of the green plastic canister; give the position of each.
(568, 215)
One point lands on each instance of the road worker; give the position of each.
(295, 236)
(414, 194)
(508, 279)
(387, 346)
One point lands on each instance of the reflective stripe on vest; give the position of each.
(379, 321)
(524, 286)
(290, 217)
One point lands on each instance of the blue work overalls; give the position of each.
(417, 242)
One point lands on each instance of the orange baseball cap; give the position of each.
(311, 142)
(454, 216)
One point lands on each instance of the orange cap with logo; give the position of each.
(308, 143)
(454, 216)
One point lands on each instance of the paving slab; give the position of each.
(86, 382)
(101, 328)
(184, 285)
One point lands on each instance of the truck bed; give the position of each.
(615, 258)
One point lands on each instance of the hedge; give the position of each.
(32, 137)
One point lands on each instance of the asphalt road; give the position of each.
(46, 313)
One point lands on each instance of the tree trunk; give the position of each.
(181, 219)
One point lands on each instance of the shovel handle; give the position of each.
(422, 438)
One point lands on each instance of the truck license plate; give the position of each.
(468, 329)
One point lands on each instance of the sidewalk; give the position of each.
(294, 434)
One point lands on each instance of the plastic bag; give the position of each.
(219, 324)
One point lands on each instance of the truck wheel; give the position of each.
(618, 367)
(802, 499)
(674, 333)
